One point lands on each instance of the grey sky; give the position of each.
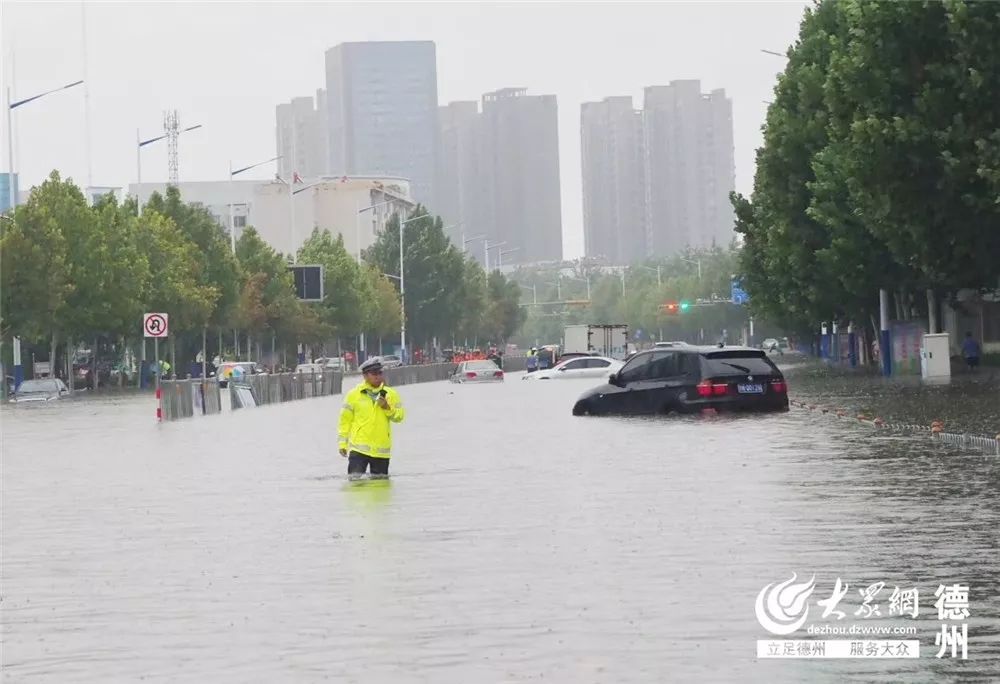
(226, 65)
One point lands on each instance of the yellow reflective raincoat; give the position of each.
(364, 425)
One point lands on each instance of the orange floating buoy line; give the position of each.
(936, 428)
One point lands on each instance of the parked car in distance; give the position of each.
(224, 372)
(772, 344)
(391, 361)
(334, 363)
(43, 389)
(577, 367)
(688, 379)
(477, 371)
(307, 368)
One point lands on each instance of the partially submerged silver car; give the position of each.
(43, 389)
(477, 371)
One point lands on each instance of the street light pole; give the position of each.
(12, 196)
(357, 228)
(232, 194)
(402, 287)
(11, 106)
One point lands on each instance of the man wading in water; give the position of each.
(364, 435)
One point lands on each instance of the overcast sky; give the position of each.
(226, 65)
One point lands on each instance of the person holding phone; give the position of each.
(364, 434)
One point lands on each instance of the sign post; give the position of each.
(155, 325)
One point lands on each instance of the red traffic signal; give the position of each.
(670, 308)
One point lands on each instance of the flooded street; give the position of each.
(514, 542)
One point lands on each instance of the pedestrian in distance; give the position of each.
(364, 434)
(971, 351)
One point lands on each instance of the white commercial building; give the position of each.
(335, 204)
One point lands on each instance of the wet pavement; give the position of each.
(514, 542)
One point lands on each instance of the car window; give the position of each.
(688, 364)
(34, 386)
(738, 363)
(663, 365)
(482, 365)
(576, 364)
(597, 363)
(635, 369)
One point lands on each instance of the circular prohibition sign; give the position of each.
(156, 325)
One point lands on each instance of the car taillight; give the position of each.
(779, 385)
(709, 389)
(470, 374)
(498, 374)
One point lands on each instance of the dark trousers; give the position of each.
(357, 463)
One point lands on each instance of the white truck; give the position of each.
(603, 340)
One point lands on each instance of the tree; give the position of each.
(343, 307)
(267, 288)
(382, 311)
(175, 284)
(473, 302)
(37, 275)
(912, 97)
(433, 271)
(504, 315)
(209, 247)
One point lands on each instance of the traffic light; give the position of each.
(685, 306)
(670, 308)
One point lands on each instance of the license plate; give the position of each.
(755, 388)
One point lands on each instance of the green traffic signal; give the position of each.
(685, 306)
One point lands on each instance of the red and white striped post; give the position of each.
(159, 405)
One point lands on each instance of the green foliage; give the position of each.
(343, 309)
(447, 296)
(216, 266)
(639, 308)
(880, 163)
(75, 272)
(36, 275)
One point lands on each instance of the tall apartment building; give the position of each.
(689, 167)
(382, 111)
(301, 136)
(459, 196)
(520, 172)
(613, 188)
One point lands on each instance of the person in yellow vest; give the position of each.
(364, 435)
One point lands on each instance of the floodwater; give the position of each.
(513, 542)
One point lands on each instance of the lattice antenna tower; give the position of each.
(171, 128)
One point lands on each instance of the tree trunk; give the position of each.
(93, 365)
(69, 364)
(53, 361)
(932, 317)
(876, 333)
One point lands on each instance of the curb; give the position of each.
(936, 428)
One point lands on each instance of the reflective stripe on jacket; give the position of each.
(364, 425)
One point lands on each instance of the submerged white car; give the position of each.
(578, 367)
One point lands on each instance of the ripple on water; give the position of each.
(514, 541)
